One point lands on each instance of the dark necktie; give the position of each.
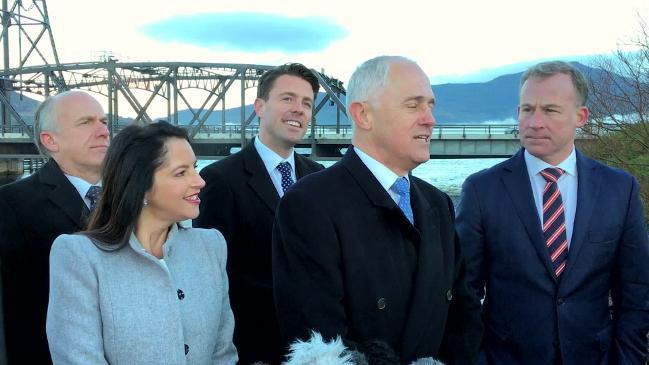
(402, 188)
(554, 221)
(285, 169)
(93, 196)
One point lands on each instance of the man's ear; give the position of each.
(582, 115)
(49, 141)
(259, 107)
(359, 112)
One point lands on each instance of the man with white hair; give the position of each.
(367, 251)
(70, 128)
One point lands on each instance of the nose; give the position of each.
(535, 120)
(199, 183)
(298, 108)
(102, 128)
(428, 120)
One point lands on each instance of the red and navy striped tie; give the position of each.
(554, 221)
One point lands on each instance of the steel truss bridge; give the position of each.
(132, 88)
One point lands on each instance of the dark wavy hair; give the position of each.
(267, 80)
(132, 158)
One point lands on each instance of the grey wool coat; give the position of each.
(128, 307)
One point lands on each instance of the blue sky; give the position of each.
(459, 41)
(248, 32)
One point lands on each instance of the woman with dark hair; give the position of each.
(136, 287)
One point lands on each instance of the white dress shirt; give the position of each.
(567, 185)
(384, 175)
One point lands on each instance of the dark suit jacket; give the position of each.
(346, 261)
(530, 317)
(239, 199)
(35, 210)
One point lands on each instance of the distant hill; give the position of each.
(495, 100)
(472, 103)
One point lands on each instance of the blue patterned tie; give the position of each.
(93, 196)
(285, 169)
(402, 188)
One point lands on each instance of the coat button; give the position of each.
(449, 295)
(380, 304)
(186, 349)
(181, 295)
(560, 301)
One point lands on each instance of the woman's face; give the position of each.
(174, 195)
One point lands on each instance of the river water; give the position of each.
(445, 174)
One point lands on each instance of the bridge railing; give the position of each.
(15, 129)
(439, 131)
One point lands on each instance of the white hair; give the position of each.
(45, 118)
(370, 77)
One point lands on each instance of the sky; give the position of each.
(453, 41)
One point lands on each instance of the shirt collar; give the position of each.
(270, 158)
(80, 184)
(384, 175)
(536, 165)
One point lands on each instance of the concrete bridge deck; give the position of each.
(213, 142)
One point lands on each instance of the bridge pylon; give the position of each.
(27, 32)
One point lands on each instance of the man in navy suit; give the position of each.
(556, 243)
(70, 128)
(366, 251)
(240, 198)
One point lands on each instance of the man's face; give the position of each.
(284, 117)
(81, 136)
(401, 120)
(548, 115)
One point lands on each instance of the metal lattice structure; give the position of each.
(168, 81)
(131, 88)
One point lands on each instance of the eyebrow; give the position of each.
(420, 99)
(90, 117)
(294, 94)
(542, 105)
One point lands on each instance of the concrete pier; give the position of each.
(13, 166)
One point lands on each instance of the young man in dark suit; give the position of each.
(240, 198)
(71, 129)
(550, 235)
(366, 251)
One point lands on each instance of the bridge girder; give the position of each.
(166, 81)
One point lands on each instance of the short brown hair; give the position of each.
(544, 70)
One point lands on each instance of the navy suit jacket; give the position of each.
(531, 317)
(239, 199)
(35, 210)
(347, 262)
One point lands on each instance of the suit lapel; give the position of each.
(301, 167)
(517, 184)
(588, 190)
(375, 192)
(259, 180)
(429, 266)
(63, 194)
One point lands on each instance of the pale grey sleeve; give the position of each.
(225, 351)
(74, 326)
